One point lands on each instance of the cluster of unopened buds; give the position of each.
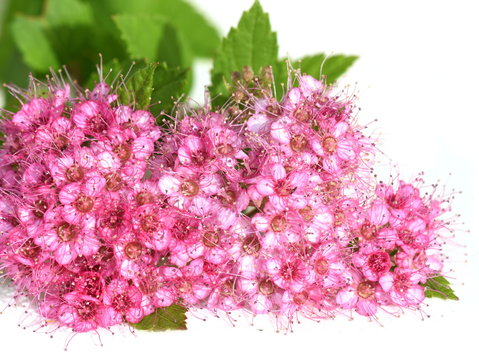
(270, 209)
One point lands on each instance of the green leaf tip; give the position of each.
(251, 44)
(439, 287)
(154, 86)
(172, 317)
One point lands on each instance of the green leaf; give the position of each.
(169, 85)
(12, 67)
(139, 87)
(175, 52)
(173, 49)
(141, 33)
(172, 317)
(318, 66)
(32, 41)
(333, 66)
(202, 38)
(439, 287)
(154, 86)
(68, 12)
(252, 44)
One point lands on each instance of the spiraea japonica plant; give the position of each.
(122, 204)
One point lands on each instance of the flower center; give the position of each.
(46, 178)
(289, 271)
(144, 197)
(149, 223)
(251, 245)
(182, 229)
(284, 188)
(61, 142)
(329, 144)
(366, 289)
(301, 114)
(298, 143)
(227, 288)
(113, 182)
(228, 198)
(133, 250)
(121, 302)
(406, 236)
(115, 218)
(379, 262)
(39, 208)
(368, 231)
(279, 223)
(29, 249)
(330, 190)
(402, 283)
(396, 201)
(225, 149)
(104, 254)
(306, 213)
(211, 239)
(339, 218)
(266, 287)
(66, 232)
(90, 284)
(42, 119)
(84, 203)
(149, 285)
(189, 188)
(86, 310)
(300, 298)
(98, 124)
(74, 173)
(123, 152)
(321, 266)
(185, 287)
(199, 157)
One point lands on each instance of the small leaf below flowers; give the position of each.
(172, 317)
(439, 287)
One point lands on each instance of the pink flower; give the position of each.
(290, 273)
(186, 191)
(330, 269)
(156, 287)
(402, 201)
(152, 223)
(133, 256)
(67, 240)
(93, 118)
(123, 301)
(33, 114)
(80, 200)
(283, 188)
(261, 294)
(363, 296)
(403, 288)
(72, 167)
(82, 313)
(191, 283)
(280, 228)
(226, 296)
(373, 264)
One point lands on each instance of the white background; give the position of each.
(418, 74)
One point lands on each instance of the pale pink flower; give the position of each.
(65, 239)
(403, 288)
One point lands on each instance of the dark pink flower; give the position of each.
(123, 301)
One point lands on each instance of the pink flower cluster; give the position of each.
(105, 216)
